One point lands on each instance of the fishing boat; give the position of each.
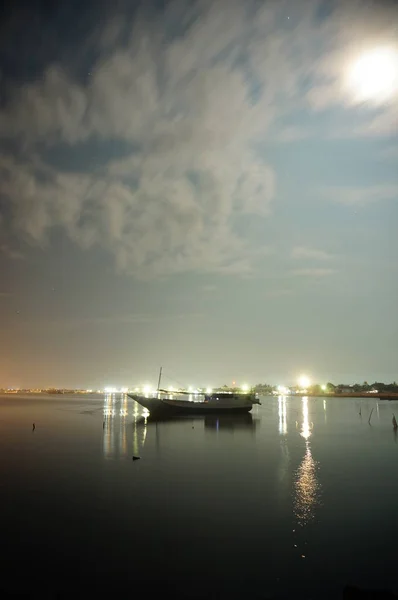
(188, 402)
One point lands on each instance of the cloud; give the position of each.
(166, 208)
(380, 125)
(292, 134)
(168, 225)
(313, 272)
(383, 125)
(302, 252)
(194, 92)
(361, 196)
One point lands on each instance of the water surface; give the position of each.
(294, 500)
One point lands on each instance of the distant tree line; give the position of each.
(331, 388)
(363, 387)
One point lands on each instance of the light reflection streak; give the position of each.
(282, 415)
(122, 439)
(122, 427)
(124, 407)
(115, 443)
(305, 428)
(139, 436)
(306, 485)
(108, 442)
(144, 432)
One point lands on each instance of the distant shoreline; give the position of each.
(368, 396)
(43, 393)
(358, 395)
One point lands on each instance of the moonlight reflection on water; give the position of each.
(306, 485)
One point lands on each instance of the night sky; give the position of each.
(210, 186)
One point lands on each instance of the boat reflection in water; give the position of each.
(213, 423)
(230, 423)
(306, 484)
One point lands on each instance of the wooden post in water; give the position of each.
(370, 416)
(394, 422)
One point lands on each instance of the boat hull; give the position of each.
(148, 402)
(206, 410)
(234, 405)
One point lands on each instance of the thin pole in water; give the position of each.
(370, 416)
(394, 422)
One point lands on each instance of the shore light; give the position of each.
(304, 381)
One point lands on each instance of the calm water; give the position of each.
(293, 501)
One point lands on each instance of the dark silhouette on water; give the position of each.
(33, 427)
(136, 457)
(226, 421)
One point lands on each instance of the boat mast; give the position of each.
(160, 377)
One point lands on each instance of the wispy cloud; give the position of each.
(313, 272)
(381, 125)
(304, 252)
(292, 134)
(361, 196)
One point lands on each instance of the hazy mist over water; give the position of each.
(294, 500)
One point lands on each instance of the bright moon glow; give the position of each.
(304, 381)
(374, 75)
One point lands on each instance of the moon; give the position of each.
(373, 76)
